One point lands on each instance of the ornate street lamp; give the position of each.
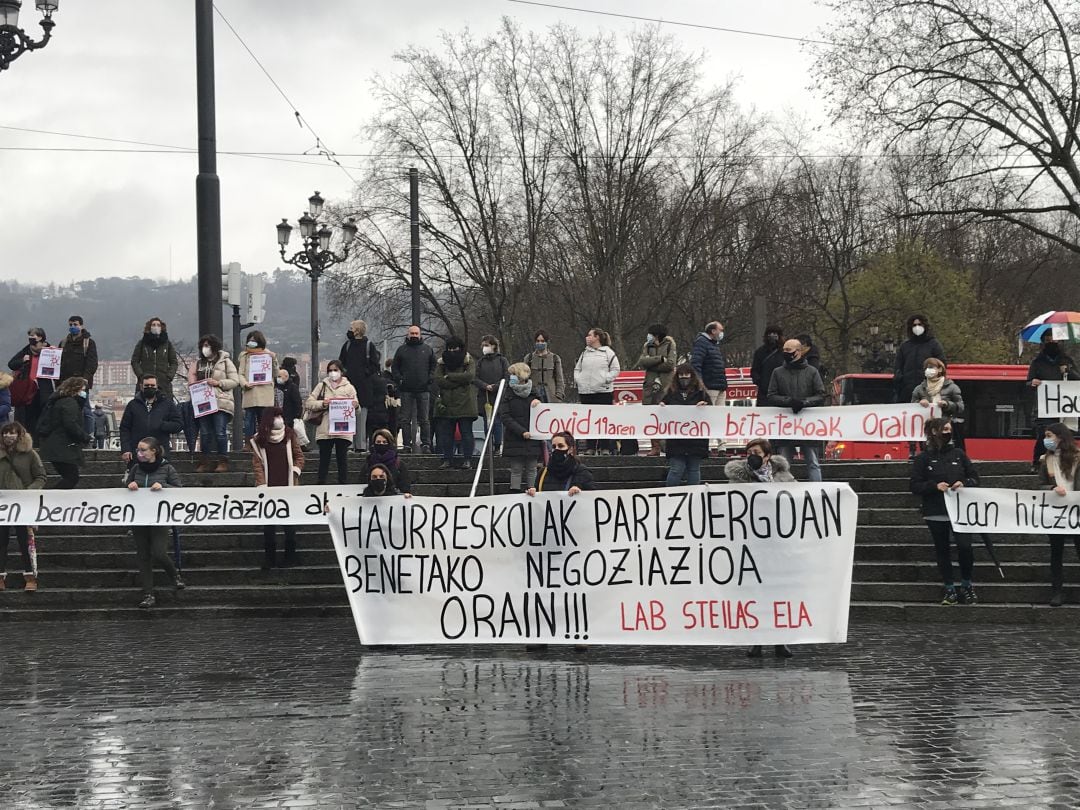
(14, 42)
(314, 257)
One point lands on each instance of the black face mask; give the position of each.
(684, 382)
(791, 357)
(149, 393)
(754, 461)
(33, 341)
(413, 341)
(946, 440)
(559, 455)
(772, 340)
(378, 485)
(1052, 349)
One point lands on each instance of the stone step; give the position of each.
(925, 571)
(990, 591)
(29, 611)
(249, 557)
(197, 577)
(242, 594)
(927, 615)
(1037, 551)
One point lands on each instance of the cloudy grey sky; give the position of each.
(121, 69)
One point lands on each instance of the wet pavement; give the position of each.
(294, 713)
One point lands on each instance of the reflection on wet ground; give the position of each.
(296, 714)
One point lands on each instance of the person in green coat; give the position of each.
(455, 407)
(63, 436)
(658, 358)
(155, 355)
(20, 468)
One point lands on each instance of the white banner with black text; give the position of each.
(1013, 511)
(1058, 399)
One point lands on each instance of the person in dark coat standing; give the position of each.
(1050, 364)
(63, 432)
(25, 364)
(360, 358)
(80, 359)
(151, 412)
(685, 455)
(491, 369)
(563, 473)
(101, 427)
(938, 469)
(413, 370)
(768, 357)
(515, 411)
(797, 385)
(155, 354)
(912, 355)
(709, 362)
(292, 405)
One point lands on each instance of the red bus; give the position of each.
(998, 409)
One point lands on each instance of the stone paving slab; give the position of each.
(295, 713)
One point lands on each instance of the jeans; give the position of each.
(810, 453)
(152, 546)
(1057, 558)
(445, 426)
(23, 536)
(522, 473)
(341, 448)
(415, 407)
(940, 532)
(214, 432)
(251, 421)
(678, 466)
(87, 416)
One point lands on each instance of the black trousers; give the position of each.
(270, 542)
(152, 548)
(1057, 558)
(328, 447)
(69, 475)
(23, 537)
(941, 531)
(602, 398)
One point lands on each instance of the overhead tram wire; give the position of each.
(320, 144)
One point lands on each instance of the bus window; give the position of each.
(862, 391)
(996, 409)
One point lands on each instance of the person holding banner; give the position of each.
(1059, 469)
(685, 455)
(384, 454)
(63, 433)
(1050, 364)
(152, 471)
(939, 468)
(520, 449)
(381, 483)
(20, 468)
(257, 367)
(594, 375)
(797, 385)
(29, 394)
(217, 370)
(335, 386)
(937, 390)
(277, 459)
(563, 473)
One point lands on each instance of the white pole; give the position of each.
(487, 437)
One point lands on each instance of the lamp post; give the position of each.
(314, 257)
(878, 354)
(14, 42)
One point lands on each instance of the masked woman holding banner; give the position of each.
(381, 483)
(563, 473)
(685, 455)
(151, 471)
(938, 469)
(1060, 470)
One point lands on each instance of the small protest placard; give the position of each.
(203, 399)
(260, 368)
(49, 364)
(342, 419)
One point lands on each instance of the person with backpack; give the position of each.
(80, 359)
(29, 394)
(360, 359)
(152, 471)
(594, 376)
(20, 468)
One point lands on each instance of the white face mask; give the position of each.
(487, 349)
(918, 331)
(931, 373)
(207, 352)
(155, 330)
(335, 375)
(279, 424)
(251, 344)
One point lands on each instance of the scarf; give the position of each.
(387, 456)
(562, 469)
(934, 386)
(150, 466)
(763, 473)
(277, 435)
(522, 389)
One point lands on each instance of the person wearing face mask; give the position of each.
(28, 393)
(215, 367)
(685, 455)
(380, 483)
(455, 406)
(491, 369)
(277, 459)
(594, 376)
(709, 362)
(334, 386)
(152, 471)
(155, 355)
(944, 394)
(63, 431)
(384, 453)
(362, 363)
(911, 359)
(563, 472)
(798, 385)
(287, 396)
(768, 357)
(20, 468)
(413, 370)
(546, 370)
(1059, 470)
(257, 396)
(80, 359)
(148, 413)
(939, 468)
(658, 358)
(520, 449)
(1050, 364)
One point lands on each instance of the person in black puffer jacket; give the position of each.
(685, 455)
(936, 470)
(515, 412)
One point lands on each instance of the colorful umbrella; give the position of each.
(1064, 326)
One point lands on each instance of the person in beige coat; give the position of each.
(20, 468)
(215, 367)
(257, 395)
(334, 386)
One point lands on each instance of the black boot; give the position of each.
(782, 651)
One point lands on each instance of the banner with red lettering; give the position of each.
(715, 564)
(858, 423)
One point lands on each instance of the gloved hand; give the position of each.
(797, 405)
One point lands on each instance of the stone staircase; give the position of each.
(89, 573)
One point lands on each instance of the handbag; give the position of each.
(300, 429)
(313, 417)
(23, 389)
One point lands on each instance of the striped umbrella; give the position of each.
(1062, 324)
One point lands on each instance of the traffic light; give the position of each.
(256, 300)
(232, 284)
